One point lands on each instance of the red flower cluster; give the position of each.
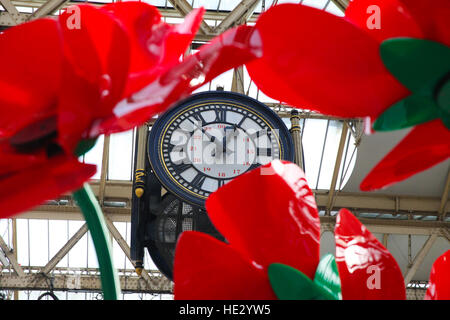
(277, 224)
(336, 68)
(99, 71)
(280, 224)
(90, 72)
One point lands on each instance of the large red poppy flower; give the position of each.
(439, 285)
(396, 72)
(366, 268)
(277, 226)
(279, 223)
(69, 80)
(28, 107)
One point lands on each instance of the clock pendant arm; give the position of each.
(152, 205)
(140, 195)
(297, 138)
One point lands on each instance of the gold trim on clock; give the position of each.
(211, 102)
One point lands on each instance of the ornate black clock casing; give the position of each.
(230, 134)
(212, 137)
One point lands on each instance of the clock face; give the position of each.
(211, 138)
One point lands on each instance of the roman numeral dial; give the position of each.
(203, 146)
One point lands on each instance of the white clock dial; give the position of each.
(212, 144)
(202, 145)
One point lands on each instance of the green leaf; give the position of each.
(418, 64)
(291, 284)
(443, 96)
(84, 146)
(446, 121)
(327, 276)
(412, 110)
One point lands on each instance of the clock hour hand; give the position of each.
(227, 137)
(219, 145)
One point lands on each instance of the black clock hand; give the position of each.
(219, 145)
(227, 137)
(210, 137)
(224, 143)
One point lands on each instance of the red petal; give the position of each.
(147, 33)
(28, 188)
(207, 269)
(393, 18)
(139, 20)
(439, 288)
(98, 48)
(30, 74)
(95, 79)
(425, 146)
(12, 161)
(433, 18)
(315, 60)
(270, 215)
(366, 268)
(155, 45)
(181, 35)
(77, 103)
(231, 49)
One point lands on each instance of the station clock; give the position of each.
(212, 137)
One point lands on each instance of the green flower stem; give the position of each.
(97, 226)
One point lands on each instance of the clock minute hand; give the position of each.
(220, 146)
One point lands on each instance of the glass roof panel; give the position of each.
(210, 4)
(158, 3)
(319, 4)
(228, 5)
(94, 156)
(121, 156)
(332, 8)
(313, 139)
(329, 153)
